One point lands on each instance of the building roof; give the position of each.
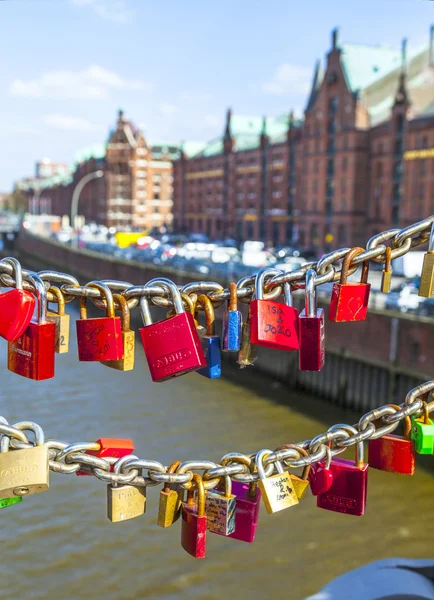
(363, 65)
(96, 151)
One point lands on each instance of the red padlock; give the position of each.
(112, 448)
(349, 301)
(32, 355)
(393, 453)
(320, 475)
(311, 330)
(16, 306)
(273, 324)
(172, 346)
(193, 529)
(99, 338)
(348, 491)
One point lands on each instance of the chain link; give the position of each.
(68, 458)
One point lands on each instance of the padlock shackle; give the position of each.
(360, 450)
(310, 294)
(145, 311)
(16, 270)
(287, 293)
(60, 299)
(233, 297)
(107, 294)
(303, 453)
(431, 239)
(170, 471)
(407, 422)
(388, 261)
(227, 487)
(260, 280)
(41, 295)
(24, 426)
(206, 304)
(173, 291)
(259, 460)
(347, 262)
(198, 482)
(126, 315)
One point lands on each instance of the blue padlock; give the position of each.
(210, 342)
(232, 323)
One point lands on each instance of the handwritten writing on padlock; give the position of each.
(273, 324)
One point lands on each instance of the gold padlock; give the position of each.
(125, 502)
(300, 483)
(169, 508)
(386, 278)
(24, 472)
(426, 288)
(248, 353)
(220, 509)
(61, 321)
(126, 363)
(277, 490)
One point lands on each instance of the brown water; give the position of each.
(60, 544)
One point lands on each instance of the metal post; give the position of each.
(76, 197)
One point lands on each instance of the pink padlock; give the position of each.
(247, 511)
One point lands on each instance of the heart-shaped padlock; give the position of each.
(16, 306)
(320, 478)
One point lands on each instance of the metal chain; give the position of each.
(68, 458)
(328, 269)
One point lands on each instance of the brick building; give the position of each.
(134, 193)
(360, 161)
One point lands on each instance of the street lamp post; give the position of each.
(76, 197)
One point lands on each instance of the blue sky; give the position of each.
(173, 65)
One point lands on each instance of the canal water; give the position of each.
(60, 544)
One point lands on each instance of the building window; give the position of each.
(380, 148)
(317, 145)
(343, 186)
(344, 164)
(276, 227)
(331, 146)
(277, 194)
(423, 169)
(315, 186)
(314, 234)
(315, 167)
(342, 235)
(422, 191)
(333, 105)
(156, 195)
(399, 124)
(425, 141)
(343, 204)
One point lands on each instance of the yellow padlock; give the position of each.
(61, 321)
(126, 363)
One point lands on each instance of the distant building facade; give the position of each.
(135, 192)
(360, 161)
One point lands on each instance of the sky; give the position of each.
(174, 66)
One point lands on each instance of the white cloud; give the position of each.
(66, 123)
(288, 79)
(18, 129)
(93, 83)
(111, 10)
(166, 108)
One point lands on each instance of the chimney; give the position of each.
(335, 38)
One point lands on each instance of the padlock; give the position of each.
(347, 493)
(171, 496)
(126, 363)
(311, 330)
(277, 491)
(110, 448)
(248, 354)
(248, 503)
(193, 529)
(220, 508)
(6, 502)
(210, 342)
(232, 323)
(61, 320)
(32, 355)
(321, 476)
(393, 453)
(422, 432)
(99, 338)
(274, 324)
(24, 472)
(172, 346)
(426, 288)
(16, 306)
(386, 277)
(349, 301)
(300, 483)
(125, 502)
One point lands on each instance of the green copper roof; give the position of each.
(96, 151)
(363, 65)
(192, 148)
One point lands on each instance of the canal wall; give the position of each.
(367, 363)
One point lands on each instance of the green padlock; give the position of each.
(422, 433)
(5, 502)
